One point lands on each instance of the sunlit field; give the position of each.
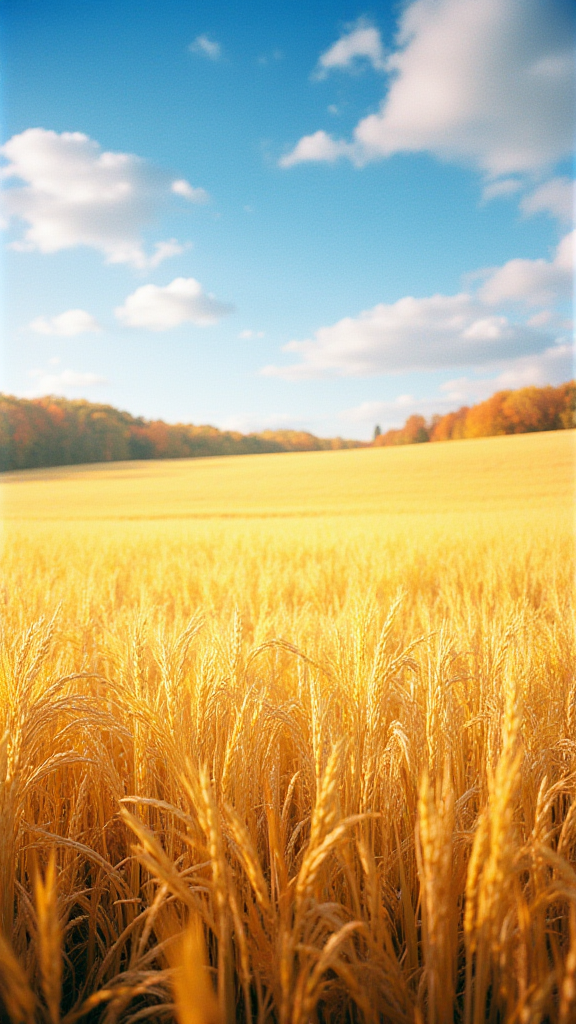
(291, 738)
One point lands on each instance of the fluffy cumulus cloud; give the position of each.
(484, 82)
(513, 316)
(161, 309)
(533, 282)
(181, 187)
(317, 147)
(411, 334)
(66, 325)
(69, 192)
(206, 46)
(360, 43)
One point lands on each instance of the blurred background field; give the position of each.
(517, 472)
(336, 694)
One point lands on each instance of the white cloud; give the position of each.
(443, 331)
(361, 42)
(555, 197)
(319, 146)
(181, 301)
(66, 325)
(533, 282)
(504, 187)
(209, 47)
(484, 82)
(181, 187)
(410, 335)
(368, 412)
(75, 194)
(163, 251)
(541, 319)
(247, 334)
(63, 383)
(255, 423)
(390, 415)
(552, 366)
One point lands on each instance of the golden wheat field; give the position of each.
(291, 739)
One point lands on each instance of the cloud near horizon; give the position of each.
(161, 309)
(441, 331)
(487, 83)
(553, 366)
(63, 383)
(76, 194)
(370, 411)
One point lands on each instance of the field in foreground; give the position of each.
(319, 711)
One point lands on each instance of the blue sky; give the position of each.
(315, 215)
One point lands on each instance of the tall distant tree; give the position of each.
(415, 430)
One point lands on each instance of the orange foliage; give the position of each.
(506, 412)
(54, 432)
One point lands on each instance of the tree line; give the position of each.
(506, 412)
(53, 431)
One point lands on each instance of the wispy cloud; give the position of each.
(555, 197)
(66, 382)
(209, 47)
(500, 189)
(255, 423)
(368, 412)
(66, 325)
(269, 58)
